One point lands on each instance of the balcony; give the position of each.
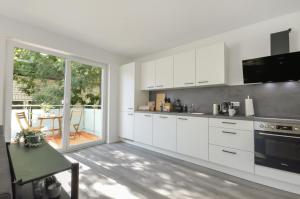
(85, 123)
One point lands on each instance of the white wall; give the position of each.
(11, 29)
(244, 43)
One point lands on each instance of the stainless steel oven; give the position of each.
(277, 145)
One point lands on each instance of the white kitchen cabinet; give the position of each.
(231, 124)
(184, 69)
(127, 75)
(164, 73)
(238, 159)
(164, 131)
(143, 131)
(211, 65)
(192, 136)
(126, 124)
(148, 75)
(238, 139)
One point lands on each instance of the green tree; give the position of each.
(41, 76)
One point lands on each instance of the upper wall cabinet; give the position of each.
(164, 73)
(148, 75)
(211, 65)
(203, 66)
(184, 69)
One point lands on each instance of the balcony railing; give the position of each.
(90, 119)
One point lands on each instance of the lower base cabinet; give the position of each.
(143, 131)
(126, 122)
(233, 158)
(164, 131)
(192, 136)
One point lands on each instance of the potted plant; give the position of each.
(46, 108)
(30, 138)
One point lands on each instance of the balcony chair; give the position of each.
(77, 114)
(24, 124)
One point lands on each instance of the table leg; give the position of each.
(59, 126)
(75, 180)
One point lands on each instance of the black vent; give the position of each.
(280, 42)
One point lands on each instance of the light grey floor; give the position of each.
(124, 171)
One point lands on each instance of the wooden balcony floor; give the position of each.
(80, 138)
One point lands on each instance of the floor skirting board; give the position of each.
(294, 188)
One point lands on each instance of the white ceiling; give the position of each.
(139, 27)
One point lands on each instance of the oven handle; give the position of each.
(286, 136)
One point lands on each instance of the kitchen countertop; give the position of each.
(236, 117)
(209, 115)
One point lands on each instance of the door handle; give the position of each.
(147, 115)
(202, 82)
(275, 135)
(150, 86)
(231, 152)
(181, 118)
(188, 83)
(130, 108)
(228, 123)
(228, 132)
(160, 86)
(130, 114)
(163, 117)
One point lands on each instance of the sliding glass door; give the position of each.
(62, 98)
(86, 114)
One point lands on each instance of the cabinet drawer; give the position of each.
(233, 138)
(233, 158)
(232, 124)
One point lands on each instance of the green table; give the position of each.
(31, 164)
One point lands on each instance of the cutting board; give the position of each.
(159, 97)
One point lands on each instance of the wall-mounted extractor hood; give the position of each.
(281, 66)
(276, 68)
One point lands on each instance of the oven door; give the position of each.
(278, 151)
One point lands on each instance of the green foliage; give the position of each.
(41, 76)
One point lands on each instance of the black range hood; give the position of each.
(281, 66)
(276, 68)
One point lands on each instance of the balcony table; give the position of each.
(52, 118)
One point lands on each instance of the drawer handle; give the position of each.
(147, 115)
(228, 132)
(160, 86)
(163, 117)
(130, 113)
(231, 152)
(150, 87)
(181, 118)
(130, 108)
(188, 83)
(228, 123)
(201, 82)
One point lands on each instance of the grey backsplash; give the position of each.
(279, 100)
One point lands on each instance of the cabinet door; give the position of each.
(164, 132)
(148, 75)
(192, 136)
(184, 69)
(126, 125)
(127, 87)
(143, 128)
(210, 65)
(164, 73)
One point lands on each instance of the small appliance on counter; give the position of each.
(224, 107)
(167, 105)
(234, 108)
(177, 107)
